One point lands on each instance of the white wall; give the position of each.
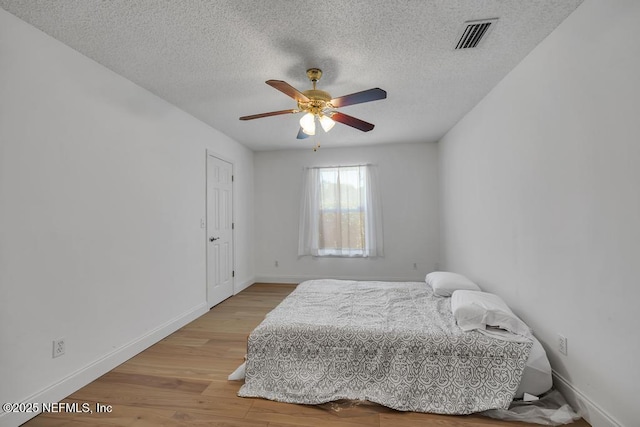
(102, 189)
(540, 201)
(408, 175)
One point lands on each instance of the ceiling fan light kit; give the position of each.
(308, 124)
(318, 104)
(326, 122)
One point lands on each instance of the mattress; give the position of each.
(392, 343)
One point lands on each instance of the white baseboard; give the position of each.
(300, 279)
(591, 412)
(83, 376)
(280, 279)
(239, 287)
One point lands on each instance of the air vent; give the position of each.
(474, 32)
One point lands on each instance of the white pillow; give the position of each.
(444, 283)
(479, 310)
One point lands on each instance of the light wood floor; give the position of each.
(182, 381)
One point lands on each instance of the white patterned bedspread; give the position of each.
(395, 344)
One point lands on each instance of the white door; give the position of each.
(219, 230)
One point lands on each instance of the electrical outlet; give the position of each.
(58, 347)
(275, 263)
(562, 344)
(415, 265)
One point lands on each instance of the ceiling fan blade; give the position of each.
(272, 113)
(352, 121)
(287, 89)
(301, 134)
(359, 97)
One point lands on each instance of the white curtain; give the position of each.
(340, 212)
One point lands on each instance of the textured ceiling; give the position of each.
(211, 58)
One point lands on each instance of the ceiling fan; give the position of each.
(318, 104)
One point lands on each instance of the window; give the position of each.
(339, 214)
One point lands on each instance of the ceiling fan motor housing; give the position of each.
(319, 100)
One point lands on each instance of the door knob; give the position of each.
(211, 239)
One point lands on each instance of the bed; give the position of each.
(393, 343)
